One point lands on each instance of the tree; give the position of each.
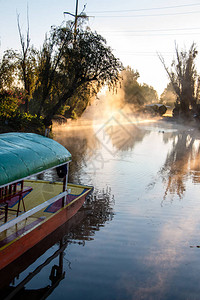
(26, 64)
(135, 93)
(150, 95)
(184, 79)
(7, 70)
(131, 88)
(66, 67)
(168, 97)
(19, 68)
(8, 104)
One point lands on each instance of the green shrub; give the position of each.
(8, 104)
(21, 121)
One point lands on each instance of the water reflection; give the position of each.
(56, 275)
(119, 133)
(147, 253)
(81, 142)
(182, 163)
(101, 211)
(96, 212)
(139, 249)
(92, 145)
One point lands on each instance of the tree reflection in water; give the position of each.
(80, 141)
(181, 163)
(100, 211)
(85, 142)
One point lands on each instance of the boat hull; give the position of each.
(14, 249)
(13, 270)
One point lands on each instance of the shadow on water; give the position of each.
(96, 212)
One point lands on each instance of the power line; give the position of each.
(145, 9)
(158, 34)
(149, 30)
(153, 32)
(142, 54)
(151, 15)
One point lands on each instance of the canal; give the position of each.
(138, 237)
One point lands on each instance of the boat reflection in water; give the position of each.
(97, 210)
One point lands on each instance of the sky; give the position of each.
(135, 30)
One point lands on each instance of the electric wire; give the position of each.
(145, 9)
(163, 34)
(151, 15)
(149, 30)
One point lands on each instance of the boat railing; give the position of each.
(32, 211)
(8, 193)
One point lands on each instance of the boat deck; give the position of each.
(41, 192)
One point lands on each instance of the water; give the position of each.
(138, 238)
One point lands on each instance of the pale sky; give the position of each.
(135, 30)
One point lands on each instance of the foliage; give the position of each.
(7, 70)
(168, 97)
(150, 95)
(9, 102)
(24, 122)
(79, 101)
(184, 79)
(135, 93)
(66, 67)
(62, 77)
(19, 68)
(21, 121)
(11, 116)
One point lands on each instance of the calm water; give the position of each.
(139, 237)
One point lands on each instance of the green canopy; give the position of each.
(25, 154)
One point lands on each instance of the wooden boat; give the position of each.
(31, 209)
(9, 287)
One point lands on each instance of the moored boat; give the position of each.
(32, 209)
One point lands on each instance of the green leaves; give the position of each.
(67, 66)
(66, 72)
(135, 93)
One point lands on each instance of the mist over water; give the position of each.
(138, 237)
(106, 127)
(150, 249)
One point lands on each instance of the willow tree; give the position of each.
(184, 79)
(66, 68)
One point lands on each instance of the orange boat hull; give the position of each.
(23, 243)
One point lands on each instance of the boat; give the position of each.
(14, 278)
(156, 109)
(31, 209)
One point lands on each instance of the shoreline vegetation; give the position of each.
(63, 78)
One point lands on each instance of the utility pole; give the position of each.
(76, 16)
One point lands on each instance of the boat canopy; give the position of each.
(25, 154)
